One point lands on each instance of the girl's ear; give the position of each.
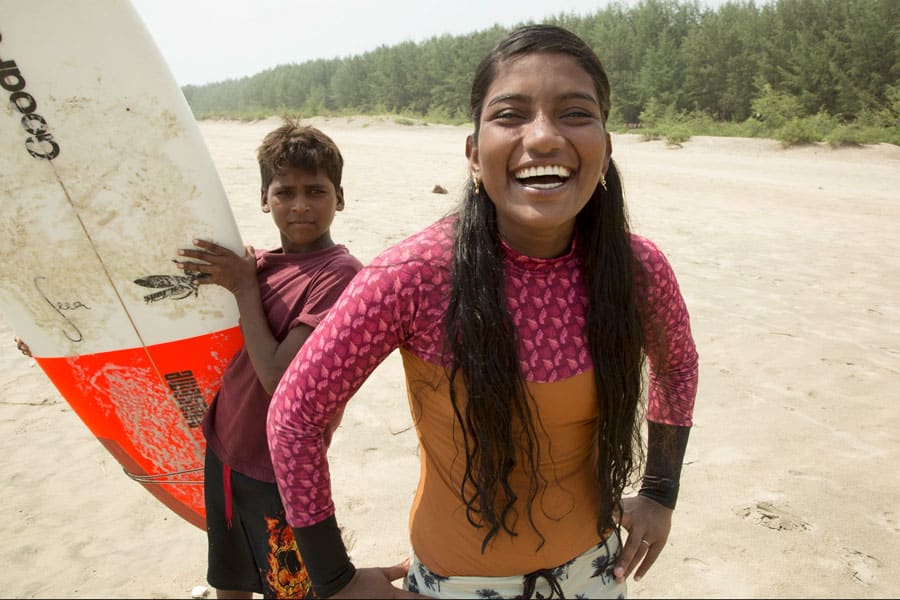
(608, 154)
(263, 202)
(339, 193)
(472, 155)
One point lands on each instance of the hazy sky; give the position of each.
(212, 40)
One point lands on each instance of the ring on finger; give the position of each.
(645, 542)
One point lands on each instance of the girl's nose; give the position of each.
(542, 135)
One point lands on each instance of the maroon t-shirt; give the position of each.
(295, 289)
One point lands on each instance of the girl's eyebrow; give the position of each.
(524, 98)
(508, 98)
(579, 96)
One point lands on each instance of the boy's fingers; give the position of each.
(193, 253)
(23, 347)
(206, 256)
(206, 248)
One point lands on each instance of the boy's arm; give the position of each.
(270, 359)
(237, 274)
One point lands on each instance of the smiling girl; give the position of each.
(524, 322)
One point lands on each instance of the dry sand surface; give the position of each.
(789, 260)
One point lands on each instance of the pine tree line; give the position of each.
(781, 60)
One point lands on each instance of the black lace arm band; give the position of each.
(665, 453)
(322, 551)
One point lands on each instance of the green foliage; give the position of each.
(666, 122)
(795, 70)
(776, 108)
(677, 134)
(805, 130)
(653, 113)
(855, 134)
(443, 116)
(846, 135)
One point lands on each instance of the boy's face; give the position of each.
(303, 205)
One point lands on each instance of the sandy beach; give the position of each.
(789, 261)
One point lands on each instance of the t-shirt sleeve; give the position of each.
(324, 291)
(366, 324)
(671, 352)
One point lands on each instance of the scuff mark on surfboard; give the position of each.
(160, 445)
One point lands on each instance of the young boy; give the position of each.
(281, 295)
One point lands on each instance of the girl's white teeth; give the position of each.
(543, 171)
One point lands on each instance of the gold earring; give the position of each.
(603, 182)
(477, 185)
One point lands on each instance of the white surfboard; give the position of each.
(103, 175)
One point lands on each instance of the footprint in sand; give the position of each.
(862, 567)
(358, 504)
(773, 517)
(889, 520)
(696, 564)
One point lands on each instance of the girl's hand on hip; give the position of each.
(648, 524)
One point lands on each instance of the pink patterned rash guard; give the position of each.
(399, 301)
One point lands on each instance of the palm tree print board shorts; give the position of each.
(589, 575)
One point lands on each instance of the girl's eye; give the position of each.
(506, 115)
(578, 113)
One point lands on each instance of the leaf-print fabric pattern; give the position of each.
(589, 575)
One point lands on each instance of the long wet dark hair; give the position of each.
(498, 419)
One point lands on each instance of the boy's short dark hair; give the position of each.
(301, 147)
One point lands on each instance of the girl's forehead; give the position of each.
(538, 69)
(538, 62)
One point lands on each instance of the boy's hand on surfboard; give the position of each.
(221, 266)
(23, 347)
(648, 524)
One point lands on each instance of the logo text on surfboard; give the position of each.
(188, 396)
(40, 144)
